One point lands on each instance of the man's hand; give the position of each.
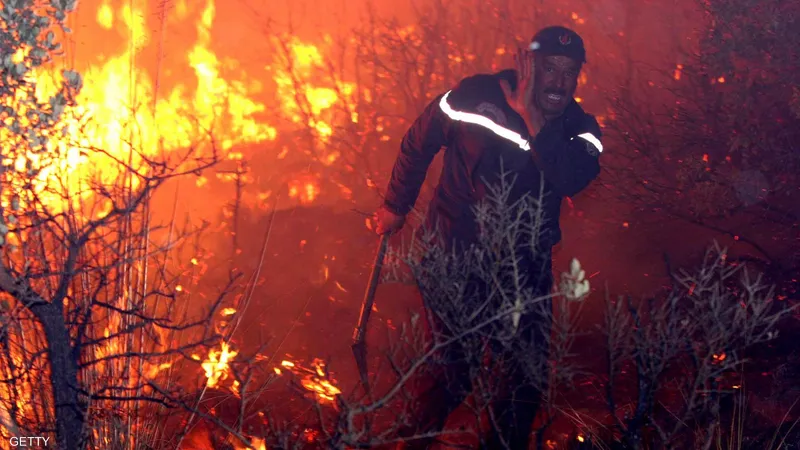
(387, 221)
(522, 100)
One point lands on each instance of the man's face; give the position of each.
(556, 79)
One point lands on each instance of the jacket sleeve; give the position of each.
(426, 136)
(570, 161)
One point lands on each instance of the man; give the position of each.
(522, 121)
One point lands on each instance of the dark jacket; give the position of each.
(481, 134)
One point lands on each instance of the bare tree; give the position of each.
(92, 298)
(709, 138)
(671, 362)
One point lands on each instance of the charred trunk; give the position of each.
(70, 411)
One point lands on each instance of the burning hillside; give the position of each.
(129, 125)
(183, 216)
(137, 104)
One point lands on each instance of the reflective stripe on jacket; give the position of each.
(483, 136)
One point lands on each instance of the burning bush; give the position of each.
(92, 303)
(119, 326)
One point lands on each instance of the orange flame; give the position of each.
(120, 113)
(255, 443)
(315, 380)
(677, 74)
(216, 366)
(121, 117)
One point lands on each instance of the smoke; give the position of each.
(320, 254)
(751, 186)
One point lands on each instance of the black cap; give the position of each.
(559, 41)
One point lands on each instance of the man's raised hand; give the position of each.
(521, 99)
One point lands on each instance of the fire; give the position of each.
(121, 113)
(677, 74)
(314, 106)
(304, 190)
(123, 117)
(306, 58)
(214, 94)
(154, 370)
(315, 380)
(255, 443)
(216, 366)
(105, 16)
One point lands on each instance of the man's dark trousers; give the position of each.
(450, 374)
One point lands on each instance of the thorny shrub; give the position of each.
(471, 320)
(671, 361)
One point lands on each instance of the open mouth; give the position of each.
(554, 98)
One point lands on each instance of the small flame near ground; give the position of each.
(216, 366)
(315, 379)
